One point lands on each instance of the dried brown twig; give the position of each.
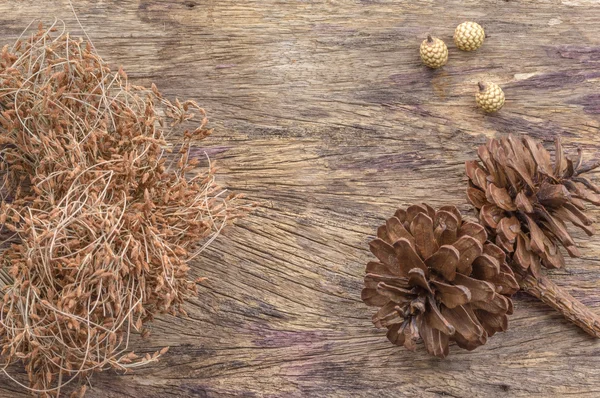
(559, 299)
(102, 228)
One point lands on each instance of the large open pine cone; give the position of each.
(524, 199)
(437, 279)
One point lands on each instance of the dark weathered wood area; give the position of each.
(323, 113)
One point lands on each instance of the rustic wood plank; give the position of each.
(324, 114)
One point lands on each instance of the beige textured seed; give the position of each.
(434, 52)
(469, 36)
(490, 97)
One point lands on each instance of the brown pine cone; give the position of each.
(437, 279)
(524, 199)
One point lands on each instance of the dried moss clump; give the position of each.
(102, 221)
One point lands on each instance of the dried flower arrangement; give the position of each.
(102, 221)
(440, 279)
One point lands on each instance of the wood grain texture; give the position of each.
(323, 112)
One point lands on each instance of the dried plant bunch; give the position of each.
(525, 198)
(438, 279)
(104, 213)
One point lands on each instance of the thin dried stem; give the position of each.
(559, 299)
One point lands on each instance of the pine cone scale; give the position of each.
(505, 282)
(469, 249)
(422, 230)
(387, 255)
(559, 229)
(587, 183)
(476, 197)
(576, 217)
(486, 267)
(523, 203)
(492, 323)
(473, 230)
(497, 305)
(372, 280)
(394, 293)
(404, 250)
(435, 341)
(500, 197)
(444, 261)
(491, 215)
(452, 295)
(541, 157)
(416, 277)
(447, 229)
(465, 323)
(406, 333)
(388, 319)
(373, 298)
(386, 315)
(394, 335)
(436, 320)
(378, 268)
(395, 230)
(551, 195)
(480, 290)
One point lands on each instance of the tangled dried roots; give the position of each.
(102, 222)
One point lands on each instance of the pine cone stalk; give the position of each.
(556, 297)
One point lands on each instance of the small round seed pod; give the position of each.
(490, 97)
(469, 36)
(434, 52)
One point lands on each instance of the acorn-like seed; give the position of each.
(469, 36)
(490, 97)
(434, 52)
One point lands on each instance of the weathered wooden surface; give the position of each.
(324, 114)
